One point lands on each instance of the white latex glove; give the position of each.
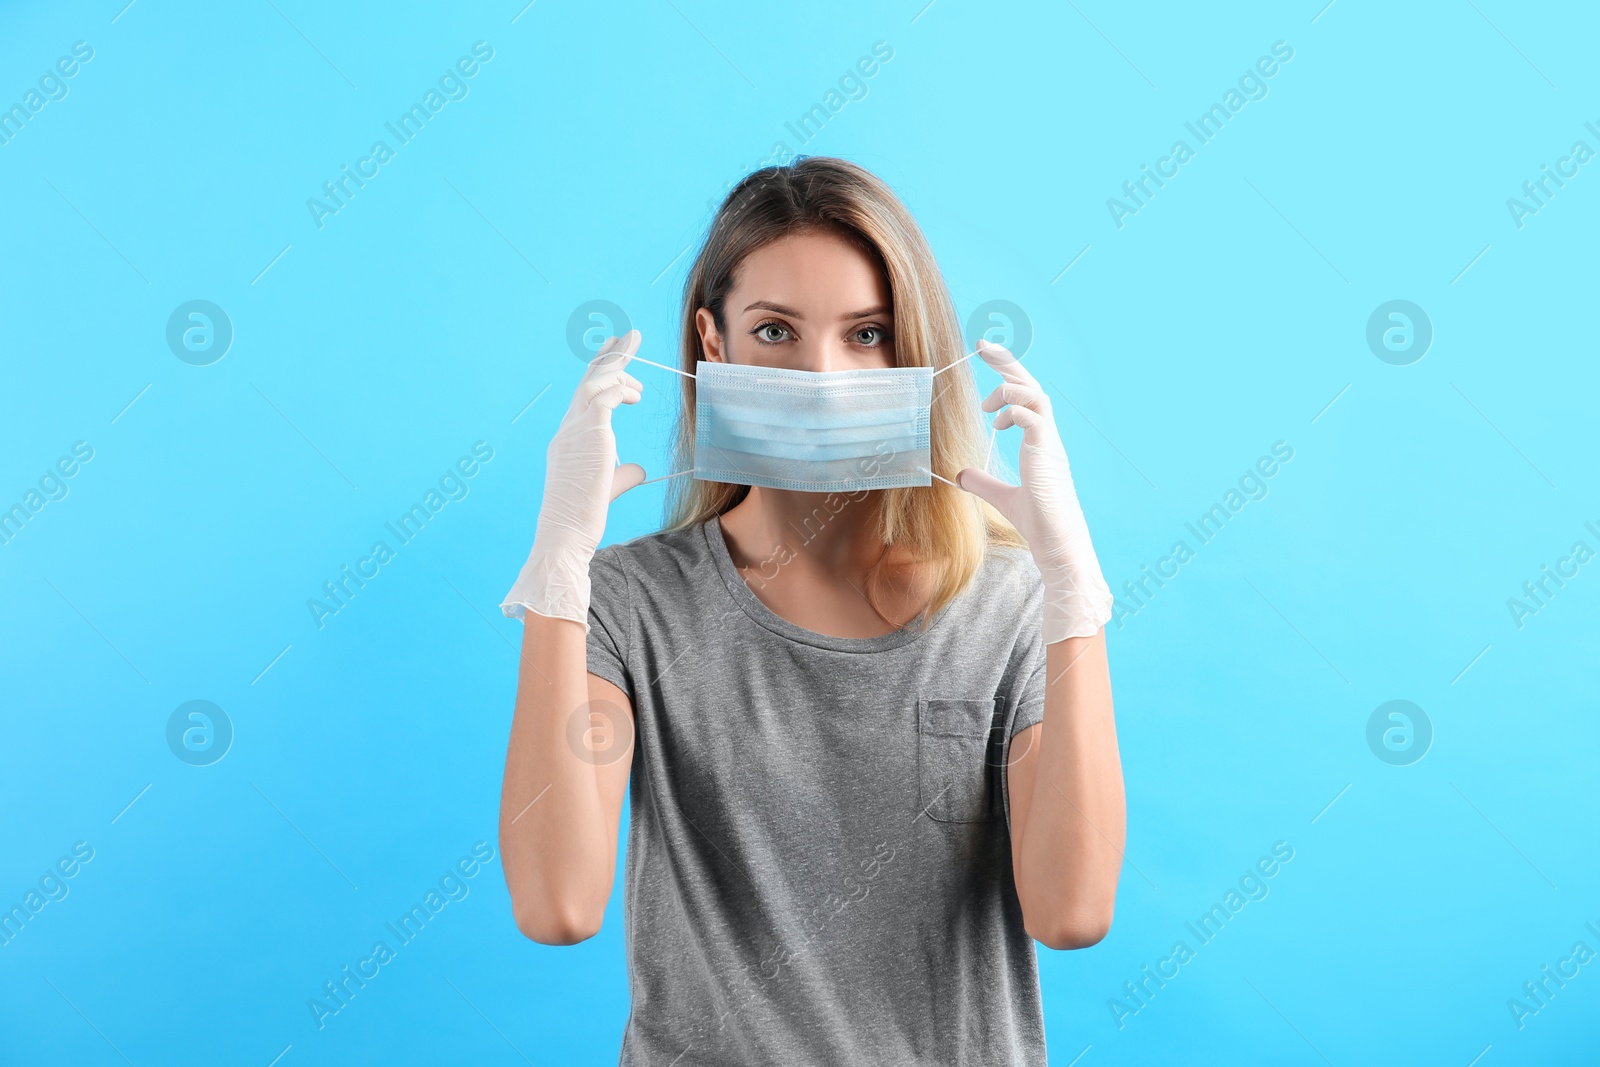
(1044, 508)
(580, 481)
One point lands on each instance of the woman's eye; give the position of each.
(871, 336)
(770, 332)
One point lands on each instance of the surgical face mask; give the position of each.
(811, 431)
(816, 432)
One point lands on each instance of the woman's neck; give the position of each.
(833, 530)
(807, 556)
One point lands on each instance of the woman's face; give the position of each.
(810, 301)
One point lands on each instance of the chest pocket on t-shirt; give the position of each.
(954, 783)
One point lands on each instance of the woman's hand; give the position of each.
(1044, 508)
(581, 479)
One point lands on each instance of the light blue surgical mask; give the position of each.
(811, 431)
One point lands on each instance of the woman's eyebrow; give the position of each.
(779, 308)
(792, 313)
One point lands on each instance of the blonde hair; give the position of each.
(938, 524)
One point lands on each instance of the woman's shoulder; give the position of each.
(1010, 559)
(650, 553)
(1009, 571)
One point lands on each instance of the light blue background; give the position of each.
(370, 355)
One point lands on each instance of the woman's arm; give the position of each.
(566, 770)
(1065, 784)
(1068, 820)
(562, 795)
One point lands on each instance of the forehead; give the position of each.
(814, 270)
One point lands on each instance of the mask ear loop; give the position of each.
(992, 431)
(686, 374)
(674, 370)
(954, 363)
(941, 477)
(663, 366)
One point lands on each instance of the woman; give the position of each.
(869, 730)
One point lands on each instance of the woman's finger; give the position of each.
(614, 394)
(603, 370)
(1034, 425)
(612, 357)
(1008, 366)
(617, 349)
(625, 477)
(986, 486)
(1016, 393)
(597, 382)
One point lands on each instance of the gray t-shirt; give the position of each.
(819, 856)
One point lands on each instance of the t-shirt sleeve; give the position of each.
(1030, 672)
(610, 619)
(1030, 704)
